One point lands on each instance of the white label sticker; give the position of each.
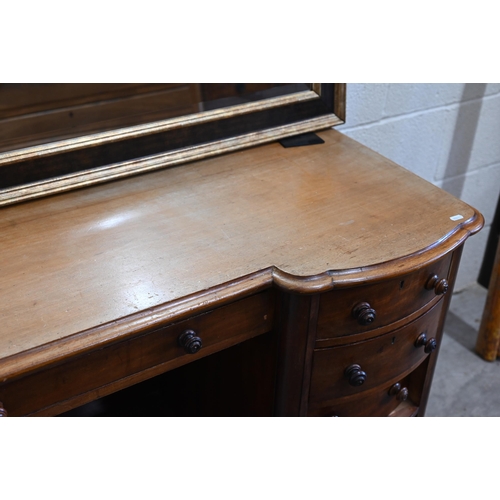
(457, 217)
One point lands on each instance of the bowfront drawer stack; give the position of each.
(373, 344)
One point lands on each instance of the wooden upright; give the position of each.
(488, 339)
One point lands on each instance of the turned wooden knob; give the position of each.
(440, 286)
(401, 393)
(3, 411)
(429, 345)
(355, 375)
(190, 342)
(364, 313)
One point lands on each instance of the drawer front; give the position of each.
(379, 402)
(156, 352)
(382, 359)
(391, 300)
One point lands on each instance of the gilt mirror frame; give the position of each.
(56, 167)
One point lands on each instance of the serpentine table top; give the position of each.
(84, 268)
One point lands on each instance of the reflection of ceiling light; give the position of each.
(114, 220)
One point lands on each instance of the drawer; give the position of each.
(378, 402)
(391, 300)
(383, 359)
(122, 364)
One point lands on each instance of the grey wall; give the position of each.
(448, 133)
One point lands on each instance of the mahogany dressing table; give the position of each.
(309, 281)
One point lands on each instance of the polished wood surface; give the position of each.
(100, 284)
(391, 301)
(321, 217)
(72, 383)
(488, 339)
(330, 377)
(235, 382)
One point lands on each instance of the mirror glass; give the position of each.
(34, 114)
(58, 137)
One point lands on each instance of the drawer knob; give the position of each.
(190, 341)
(440, 286)
(364, 313)
(429, 345)
(3, 411)
(355, 375)
(401, 393)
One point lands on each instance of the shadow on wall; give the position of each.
(463, 138)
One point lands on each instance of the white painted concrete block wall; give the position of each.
(448, 133)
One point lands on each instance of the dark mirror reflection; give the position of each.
(33, 114)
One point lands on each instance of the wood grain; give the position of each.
(69, 384)
(376, 402)
(88, 267)
(384, 358)
(235, 382)
(488, 339)
(392, 300)
(425, 374)
(293, 328)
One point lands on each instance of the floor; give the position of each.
(464, 384)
